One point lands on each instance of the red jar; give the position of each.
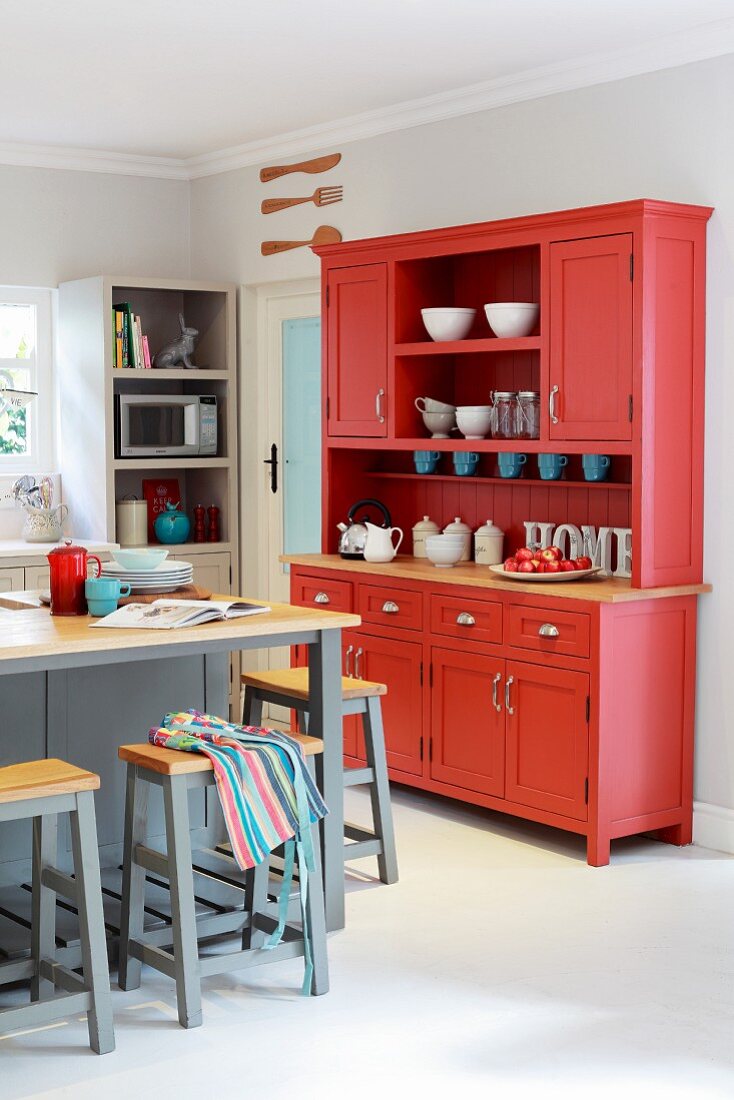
(69, 566)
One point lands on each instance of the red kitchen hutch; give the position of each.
(591, 729)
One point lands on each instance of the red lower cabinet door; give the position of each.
(547, 738)
(399, 665)
(468, 721)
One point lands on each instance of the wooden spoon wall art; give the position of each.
(325, 234)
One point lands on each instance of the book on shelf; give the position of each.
(158, 492)
(172, 614)
(130, 343)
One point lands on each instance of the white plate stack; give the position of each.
(166, 577)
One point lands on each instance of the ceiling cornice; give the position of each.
(697, 44)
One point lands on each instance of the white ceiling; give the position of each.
(182, 79)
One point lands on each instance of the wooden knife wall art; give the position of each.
(322, 196)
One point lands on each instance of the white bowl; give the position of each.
(439, 424)
(512, 319)
(141, 558)
(429, 405)
(473, 421)
(444, 551)
(448, 323)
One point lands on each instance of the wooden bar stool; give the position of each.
(41, 790)
(289, 688)
(175, 951)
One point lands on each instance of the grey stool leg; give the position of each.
(374, 740)
(256, 900)
(252, 711)
(91, 922)
(43, 930)
(133, 878)
(316, 915)
(181, 879)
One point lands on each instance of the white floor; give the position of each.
(500, 961)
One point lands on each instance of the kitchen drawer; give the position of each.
(330, 595)
(566, 633)
(471, 620)
(391, 606)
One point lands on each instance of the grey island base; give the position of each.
(70, 692)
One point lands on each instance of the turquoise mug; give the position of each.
(426, 461)
(550, 466)
(596, 467)
(510, 464)
(102, 594)
(465, 463)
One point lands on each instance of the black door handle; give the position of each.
(272, 462)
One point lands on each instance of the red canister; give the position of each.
(69, 566)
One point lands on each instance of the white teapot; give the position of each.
(379, 546)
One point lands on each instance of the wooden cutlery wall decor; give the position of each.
(322, 196)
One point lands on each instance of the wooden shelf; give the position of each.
(171, 463)
(197, 375)
(468, 347)
(189, 547)
(485, 446)
(536, 482)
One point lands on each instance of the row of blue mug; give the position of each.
(550, 466)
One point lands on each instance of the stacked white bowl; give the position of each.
(445, 550)
(512, 319)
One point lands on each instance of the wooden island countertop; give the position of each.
(404, 568)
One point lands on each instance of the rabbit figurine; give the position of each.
(179, 350)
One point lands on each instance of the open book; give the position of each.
(169, 614)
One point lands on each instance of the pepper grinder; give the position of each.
(199, 523)
(213, 533)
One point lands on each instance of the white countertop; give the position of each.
(19, 548)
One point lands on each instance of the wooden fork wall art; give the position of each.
(322, 196)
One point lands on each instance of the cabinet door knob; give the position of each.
(321, 597)
(347, 656)
(552, 405)
(508, 683)
(548, 630)
(495, 684)
(378, 405)
(390, 607)
(465, 619)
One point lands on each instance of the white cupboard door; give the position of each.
(12, 580)
(210, 571)
(37, 576)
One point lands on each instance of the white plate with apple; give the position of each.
(544, 564)
(541, 578)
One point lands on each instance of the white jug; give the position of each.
(379, 545)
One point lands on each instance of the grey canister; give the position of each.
(422, 530)
(132, 522)
(488, 544)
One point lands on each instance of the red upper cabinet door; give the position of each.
(468, 721)
(399, 665)
(357, 351)
(591, 338)
(547, 738)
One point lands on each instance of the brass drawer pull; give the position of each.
(465, 619)
(390, 607)
(321, 597)
(547, 630)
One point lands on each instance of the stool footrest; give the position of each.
(39, 1013)
(61, 883)
(355, 777)
(152, 861)
(153, 956)
(243, 960)
(16, 971)
(361, 848)
(63, 977)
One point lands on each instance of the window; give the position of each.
(25, 358)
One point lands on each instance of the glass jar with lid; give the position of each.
(504, 414)
(528, 414)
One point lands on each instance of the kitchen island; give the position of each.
(72, 692)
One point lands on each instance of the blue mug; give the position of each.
(596, 467)
(550, 466)
(426, 461)
(510, 464)
(102, 594)
(465, 463)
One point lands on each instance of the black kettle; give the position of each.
(354, 532)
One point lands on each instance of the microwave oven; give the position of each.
(162, 425)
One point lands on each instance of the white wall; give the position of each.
(666, 135)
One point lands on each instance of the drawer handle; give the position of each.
(347, 656)
(495, 684)
(321, 597)
(465, 619)
(552, 405)
(390, 607)
(357, 658)
(508, 683)
(548, 630)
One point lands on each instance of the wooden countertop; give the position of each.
(603, 590)
(33, 638)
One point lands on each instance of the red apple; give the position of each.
(511, 566)
(535, 560)
(566, 566)
(557, 552)
(548, 554)
(526, 567)
(553, 566)
(542, 567)
(524, 554)
(582, 563)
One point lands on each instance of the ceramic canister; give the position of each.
(488, 544)
(132, 522)
(423, 528)
(459, 528)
